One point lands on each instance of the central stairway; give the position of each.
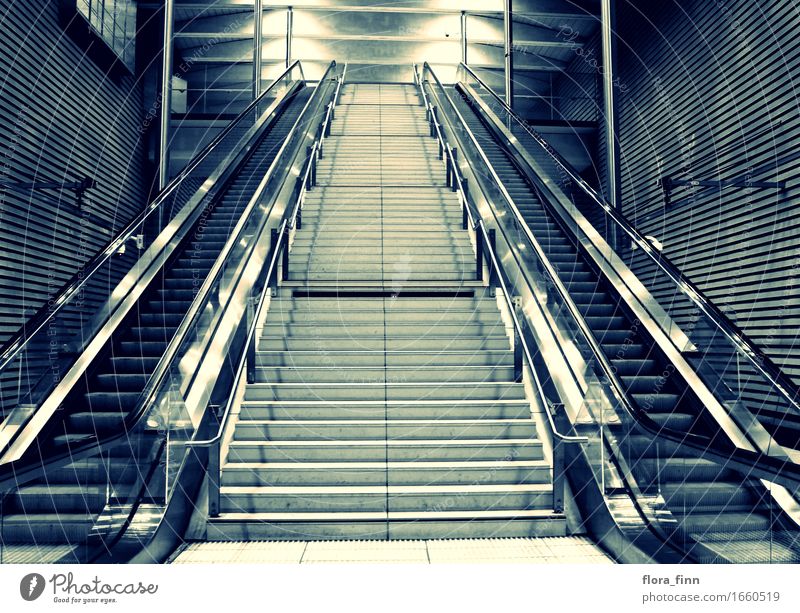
(384, 404)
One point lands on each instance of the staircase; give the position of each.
(384, 404)
(712, 504)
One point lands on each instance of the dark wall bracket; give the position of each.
(669, 184)
(79, 187)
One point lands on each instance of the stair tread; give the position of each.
(366, 515)
(384, 443)
(411, 465)
(382, 489)
(361, 403)
(372, 422)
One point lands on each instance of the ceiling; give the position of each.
(380, 41)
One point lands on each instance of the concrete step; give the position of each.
(362, 525)
(404, 374)
(263, 474)
(382, 450)
(390, 329)
(349, 359)
(410, 498)
(378, 313)
(434, 267)
(367, 237)
(376, 429)
(429, 342)
(435, 390)
(433, 300)
(390, 278)
(510, 409)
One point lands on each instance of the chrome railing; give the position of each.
(34, 359)
(785, 394)
(257, 302)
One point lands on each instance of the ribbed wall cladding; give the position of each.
(711, 94)
(61, 119)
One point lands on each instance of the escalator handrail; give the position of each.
(52, 308)
(9, 473)
(550, 273)
(763, 364)
(769, 467)
(477, 225)
(287, 224)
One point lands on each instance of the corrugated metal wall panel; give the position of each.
(579, 91)
(712, 95)
(61, 119)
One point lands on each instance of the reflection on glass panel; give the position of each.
(115, 22)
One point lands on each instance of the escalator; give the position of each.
(65, 502)
(730, 513)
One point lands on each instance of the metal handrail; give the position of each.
(148, 394)
(46, 313)
(754, 462)
(488, 248)
(763, 364)
(279, 245)
(454, 179)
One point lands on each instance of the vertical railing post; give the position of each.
(273, 245)
(454, 155)
(298, 187)
(478, 251)
(285, 257)
(251, 347)
(311, 167)
(559, 462)
(258, 45)
(312, 176)
(493, 272)
(328, 125)
(213, 479)
(166, 99)
(432, 120)
(518, 345)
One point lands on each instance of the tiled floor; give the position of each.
(557, 550)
